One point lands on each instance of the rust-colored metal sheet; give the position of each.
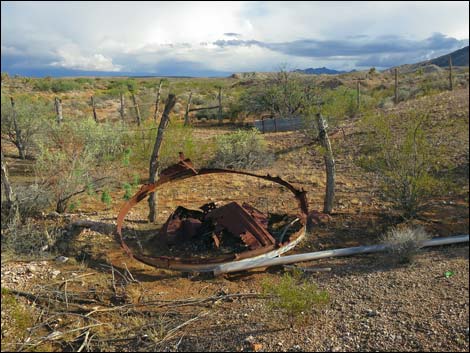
(238, 221)
(253, 232)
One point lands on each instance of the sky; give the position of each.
(220, 38)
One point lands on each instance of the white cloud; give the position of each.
(71, 58)
(138, 36)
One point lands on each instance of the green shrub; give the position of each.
(294, 296)
(77, 154)
(32, 114)
(241, 150)
(401, 152)
(106, 198)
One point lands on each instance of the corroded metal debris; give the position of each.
(233, 232)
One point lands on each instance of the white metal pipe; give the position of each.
(256, 263)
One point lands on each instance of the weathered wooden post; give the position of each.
(396, 85)
(358, 94)
(451, 84)
(154, 159)
(11, 202)
(329, 164)
(121, 110)
(157, 101)
(94, 109)
(188, 105)
(137, 111)
(220, 105)
(58, 109)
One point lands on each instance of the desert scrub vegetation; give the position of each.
(76, 157)
(23, 119)
(293, 295)
(57, 85)
(29, 238)
(244, 149)
(404, 243)
(402, 153)
(177, 138)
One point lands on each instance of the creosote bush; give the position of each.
(400, 151)
(404, 243)
(241, 150)
(294, 296)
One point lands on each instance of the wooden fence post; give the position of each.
(137, 111)
(329, 165)
(58, 109)
(396, 85)
(157, 102)
(220, 105)
(154, 159)
(94, 109)
(358, 94)
(121, 110)
(188, 105)
(451, 84)
(11, 201)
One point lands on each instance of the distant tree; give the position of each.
(22, 119)
(281, 95)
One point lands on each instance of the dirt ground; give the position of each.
(375, 305)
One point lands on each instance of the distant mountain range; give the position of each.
(459, 58)
(319, 71)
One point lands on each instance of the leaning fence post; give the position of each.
(137, 111)
(396, 85)
(58, 109)
(157, 102)
(450, 74)
(121, 110)
(220, 105)
(94, 109)
(188, 106)
(358, 94)
(155, 158)
(329, 164)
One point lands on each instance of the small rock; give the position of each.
(250, 339)
(55, 273)
(372, 313)
(32, 268)
(62, 259)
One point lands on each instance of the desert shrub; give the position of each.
(177, 138)
(29, 238)
(241, 150)
(401, 152)
(75, 155)
(56, 85)
(294, 296)
(32, 199)
(31, 115)
(404, 243)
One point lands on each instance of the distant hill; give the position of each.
(319, 71)
(459, 58)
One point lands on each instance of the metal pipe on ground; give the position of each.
(256, 263)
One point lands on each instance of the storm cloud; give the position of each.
(217, 38)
